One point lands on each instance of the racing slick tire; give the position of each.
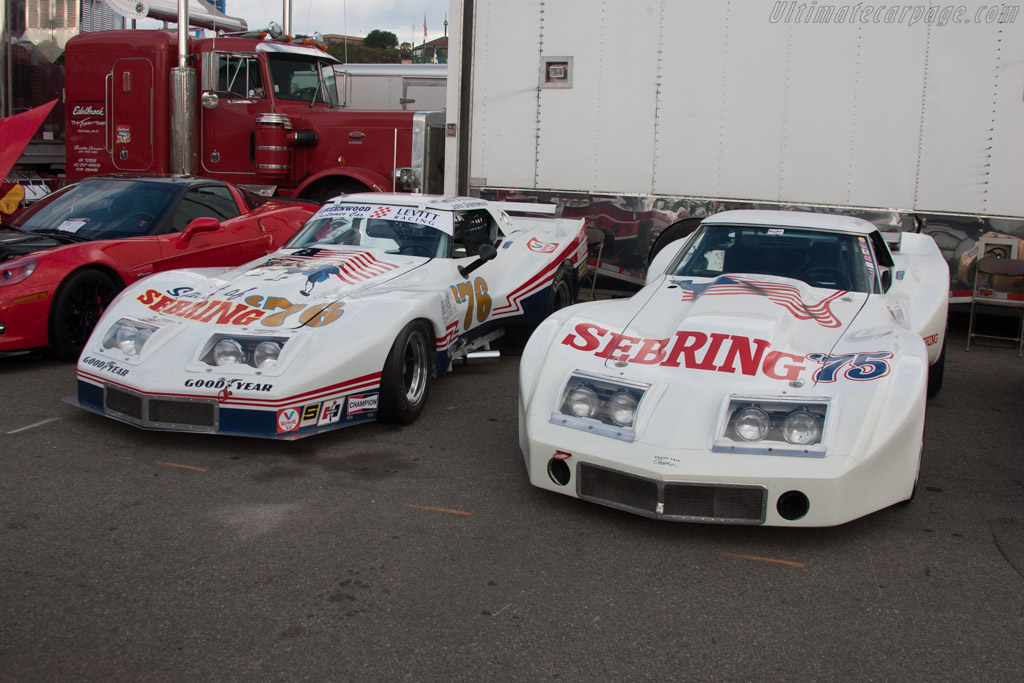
(77, 306)
(935, 372)
(405, 381)
(561, 294)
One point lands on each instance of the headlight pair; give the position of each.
(128, 336)
(13, 272)
(788, 427)
(260, 353)
(602, 405)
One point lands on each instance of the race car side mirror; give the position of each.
(203, 224)
(486, 253)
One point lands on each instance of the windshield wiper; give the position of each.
(61, 234)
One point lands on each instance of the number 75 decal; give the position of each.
(468, 291)
(858, 366)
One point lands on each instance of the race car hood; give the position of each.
(16, 132)
(786, 315)
(323, 274)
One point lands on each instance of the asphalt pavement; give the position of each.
(382, 553)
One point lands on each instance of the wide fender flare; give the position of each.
(373, 180)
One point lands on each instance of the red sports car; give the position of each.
(65, 257)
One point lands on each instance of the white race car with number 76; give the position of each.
(773, 370)
(349, 322)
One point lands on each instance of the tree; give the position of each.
(383, 40)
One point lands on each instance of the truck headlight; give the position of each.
(601, 405)
(128, 336)
(773, 426)
(407, 180)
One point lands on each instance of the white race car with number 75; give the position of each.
(349, 322)
(773, 370)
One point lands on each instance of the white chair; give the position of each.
(1009, 295)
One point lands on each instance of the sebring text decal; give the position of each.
(730, 353)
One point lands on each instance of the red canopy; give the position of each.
(16, 131)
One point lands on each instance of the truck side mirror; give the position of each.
(198, 225)
(486, 253)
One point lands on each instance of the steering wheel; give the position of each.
(416, 249)
(822, 275)
(306, 93)
(139, 219)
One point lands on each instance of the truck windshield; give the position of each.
(821, 259)
(299, 78)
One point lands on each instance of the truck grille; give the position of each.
(193, 414)
(727, 503)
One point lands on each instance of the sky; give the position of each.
(404, 18)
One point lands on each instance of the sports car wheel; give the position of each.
(78, 304)
(405, 381)
(935, 372)
(561, 290)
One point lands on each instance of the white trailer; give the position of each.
(418, 87)
(644, 116)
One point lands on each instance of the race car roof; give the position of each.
(793, 219)
(436, 202)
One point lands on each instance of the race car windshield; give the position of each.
(388, 235)
(101, 209)
(821, 259)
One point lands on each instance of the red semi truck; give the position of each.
(265, 114)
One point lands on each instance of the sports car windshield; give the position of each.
(821, 259)
(400, 231)
(100, 209)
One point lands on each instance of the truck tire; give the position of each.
(77, 306)
(329, 189)
(676, 231)
(405, 381)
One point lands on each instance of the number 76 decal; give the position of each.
(858, 366)
(468, 291)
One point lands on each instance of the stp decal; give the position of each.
(534, 244)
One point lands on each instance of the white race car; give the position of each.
(349, 322)
(773, 371)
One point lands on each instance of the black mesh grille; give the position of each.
(693, 502)
(618, 489)
(721, 503)
(181, 413)
(122, 402)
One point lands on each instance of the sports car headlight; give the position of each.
(228, 352)
(598, 404)
(128, 336)
(265, 355)
(801, 428)
(773, 426)
(257, 352)
(751, 423)
(13, 272)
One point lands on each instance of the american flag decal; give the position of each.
(784, 295)
(351, 267)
